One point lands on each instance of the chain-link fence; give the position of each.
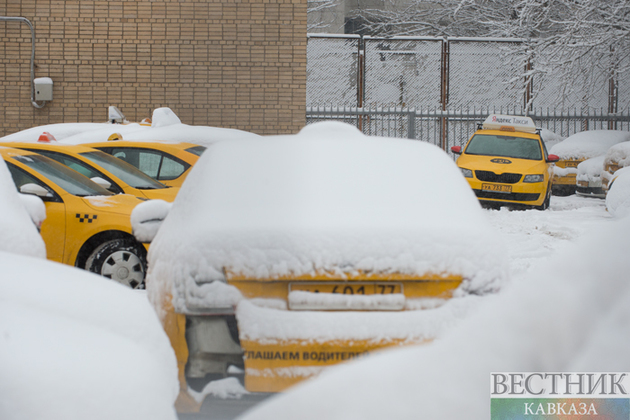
(438, 89)
(332, 70)
(402, 71)
(350, 70)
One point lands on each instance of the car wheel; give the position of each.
(545, 204)
(121, 260)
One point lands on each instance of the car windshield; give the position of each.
(66, 178)
(126, 172)
(197, 150)
(504, 146)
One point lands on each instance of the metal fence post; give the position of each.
(411, 124)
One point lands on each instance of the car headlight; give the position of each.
(534, 178)
(467, 172)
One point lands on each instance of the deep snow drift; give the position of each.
(74, 345)
(569, 313)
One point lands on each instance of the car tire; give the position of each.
(545, 204)
(121, 260)
(563, 190)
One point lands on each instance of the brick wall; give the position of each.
(226, 63)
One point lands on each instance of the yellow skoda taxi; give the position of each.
(86, 226)
(113, 174)
(167, 162)
(506, 162)
(285, 276)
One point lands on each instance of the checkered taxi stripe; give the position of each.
(86, 217)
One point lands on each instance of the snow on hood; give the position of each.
(618, 154)
(18, 232)
(571, 314)
(74, 345)
(618, 197)
(327, 199)
(588, 144)
(590, 169)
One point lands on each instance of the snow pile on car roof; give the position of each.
(570, 314)
(590, 169)
(74, 345)
(326, 200)
(550, 138)
(18, 233)
(165, 126)
(618, 197)
(618, 154)
(587, 144)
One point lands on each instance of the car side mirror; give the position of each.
(35, 208)
(102, 182)
(35, 189)
(457, 150)
(147, 217)
(552, 158)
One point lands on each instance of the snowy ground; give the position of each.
(531, 237)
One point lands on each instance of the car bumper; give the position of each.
(530, 194)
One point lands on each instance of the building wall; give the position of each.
(226, 63)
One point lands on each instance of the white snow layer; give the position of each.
(569, 314)
(550, 138)
(147, 217)
(588, 144)
(18, 231)
(165, 126)
(74, 345)
(327, 199)
(590, 170)
(619, 154)
(618, 197)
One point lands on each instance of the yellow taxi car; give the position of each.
(167, 162)
(113, 174)
(506, 162)
(285, 276)
(86, 226)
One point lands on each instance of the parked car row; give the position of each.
(588, 162)
(287, 255)
(89, 194)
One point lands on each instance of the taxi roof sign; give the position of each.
(495, 122)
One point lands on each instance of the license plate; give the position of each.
(571, 164)
(348, 289)
(583, 183)
(497, 188)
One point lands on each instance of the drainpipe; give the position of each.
(30, 25)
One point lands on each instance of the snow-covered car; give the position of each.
(75, 346)
(577, 148)
(588, 180)
(289, 254)
(617, 157)
(618, 197)
(164, 125)
(570, 320)
(22, 215)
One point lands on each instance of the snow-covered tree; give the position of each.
(578, 45)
